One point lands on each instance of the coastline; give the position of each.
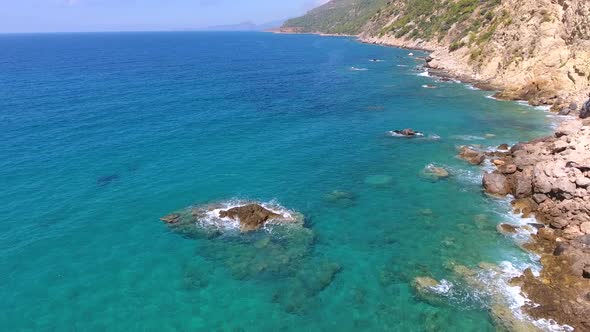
(563, 277)
(549, 296)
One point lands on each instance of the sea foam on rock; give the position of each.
(434, 172)
(272, 242)
(408, 132)
(242, 216)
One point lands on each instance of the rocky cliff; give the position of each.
(536, 50)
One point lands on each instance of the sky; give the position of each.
(141, 15)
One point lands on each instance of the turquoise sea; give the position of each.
(103, 134)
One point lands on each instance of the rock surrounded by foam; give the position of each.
(278, 251)
(408, 132)
(218, 218)
(251, 217)
(435, 172)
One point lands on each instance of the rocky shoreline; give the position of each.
(549, 178)
(443, 63)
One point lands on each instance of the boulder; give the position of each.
(408, 132)
(472, 156)
(498, 162)
(503, 147)
(523, 183)
(525, 206)
(560, 249)
(436, 172)
(585, 112)
(517, 147)
(507, 229)
(171, 218)
(559, 147)
(585, 227)
(251, 216)
(496, 184)
(546, 234)
(582, 181)
(507, 169)
(568, 128)
(424, 287)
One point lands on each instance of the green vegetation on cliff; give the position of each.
(338, 17)
(461, 22)
(429, 18)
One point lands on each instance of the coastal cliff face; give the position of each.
(536, 50)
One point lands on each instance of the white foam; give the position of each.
(401, 66)
(443, 288)
(471, 176)
(500, 282)
(358, 69)
(424, 74)
(210, 216)
(471, 87)
(516, 300)
(394, 134)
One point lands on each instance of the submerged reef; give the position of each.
(254, 240)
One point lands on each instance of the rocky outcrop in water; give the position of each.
(471, 155)
(251, 217)
(231, 234)
(212, 219)
(435, 172)
(408, 132)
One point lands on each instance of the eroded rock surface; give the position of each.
(250, 217)
(555, 173)
(550, 177)
(471, 155)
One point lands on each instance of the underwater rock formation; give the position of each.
(250, 239)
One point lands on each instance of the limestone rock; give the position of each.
(471, 155)
(496, 184)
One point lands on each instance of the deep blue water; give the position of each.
(102, 134)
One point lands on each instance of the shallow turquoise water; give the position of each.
(102, 134)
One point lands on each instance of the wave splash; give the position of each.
(210, 218)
